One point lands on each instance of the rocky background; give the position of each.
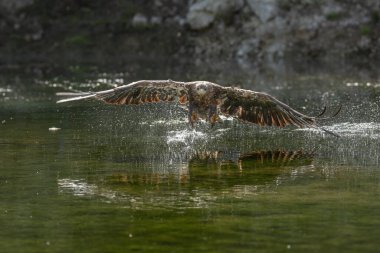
(245, 31)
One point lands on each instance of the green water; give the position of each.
(120, 179)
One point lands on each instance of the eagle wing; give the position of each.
(140, 92)
(260, 108)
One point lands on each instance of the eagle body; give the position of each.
(205, 100)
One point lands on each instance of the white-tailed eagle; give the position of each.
(206, 100)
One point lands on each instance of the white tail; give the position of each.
(77, 96)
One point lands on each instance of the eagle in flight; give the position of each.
(206, 100)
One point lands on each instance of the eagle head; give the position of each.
(201, 89)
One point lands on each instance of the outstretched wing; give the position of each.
(140, 92)
(260, 108)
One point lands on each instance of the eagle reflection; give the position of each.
(204, 170)
(255, 159)
(206, 178)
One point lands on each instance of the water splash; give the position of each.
(371, 129)
(172, 122)
(185, 136)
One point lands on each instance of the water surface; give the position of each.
(115, 179)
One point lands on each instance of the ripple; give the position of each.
(81, 188)
(177, 200)
(76, 187)
(5, 90)
(362, 84)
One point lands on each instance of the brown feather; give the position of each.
(274, 119)
(146, 92)
(280, 119)
(260, 108)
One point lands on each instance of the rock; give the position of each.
(156, 20)
(276, 50)
(14, 5)
(364, 43)
(264, 9)
(200, 20)
(275, 28)
(332, 10)
(203, 13)
(179, 20)
(139, 20)
(158, 3)
(249, 47)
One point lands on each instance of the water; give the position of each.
(90, 177)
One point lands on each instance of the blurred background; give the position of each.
(43, 34)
